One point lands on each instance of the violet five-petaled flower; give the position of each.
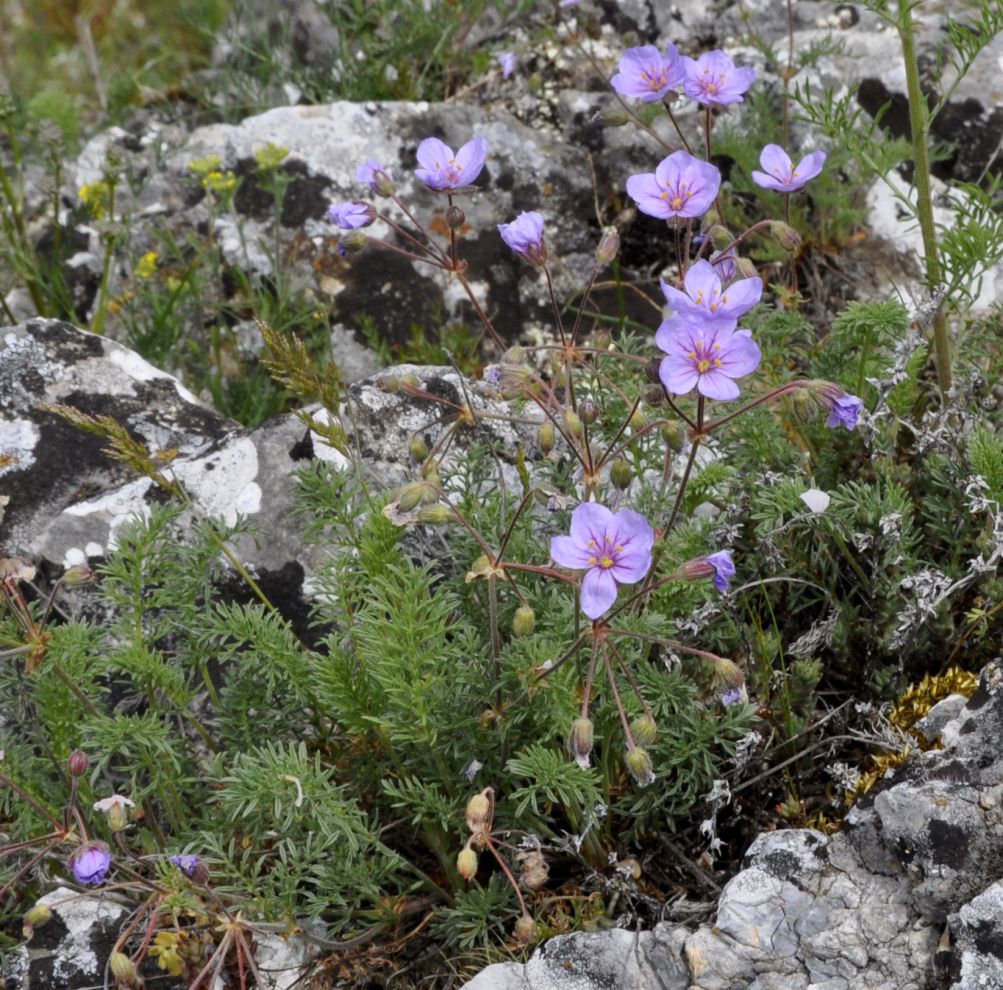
(708, 357)
(187, 863)
(706, 302)
(507, 62)
(734, 696)
(781, 175)
(843, 411)
(647, 75)
(351, 215)
(370, 173)
(524, 235)
(713, 79)
(90, 863)
(441, 169)
(680, 186)
(724, 569)
(612, 548)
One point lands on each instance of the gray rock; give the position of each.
(68, 499)
(865, 907)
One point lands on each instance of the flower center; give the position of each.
(704, 358)
(609, 553)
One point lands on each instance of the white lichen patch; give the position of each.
(18, 439)
(140, 370)
(80, 914)
(74, 557)
(223, 484)
(119, 507)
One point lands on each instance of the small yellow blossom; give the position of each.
(147, 265)
(220, 182)
(270, 157)
(96, 196)
(165, 951)
(203, 166)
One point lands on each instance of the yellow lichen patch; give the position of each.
(918, 699)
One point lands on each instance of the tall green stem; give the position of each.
(919, 124)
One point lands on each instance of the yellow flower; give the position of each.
(96, 197)
(165, 950)
(203, 166)
(270, 157)
(220, 182)
(147, 265)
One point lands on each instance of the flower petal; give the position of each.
(470, 159)
(677, 376)
(590, 521)
(702, 280)
(715, 384)
(776, 161)
(739, 354)
(566, 552)
(598, 592)
(433, 154)
(740, 297)
(810, 166)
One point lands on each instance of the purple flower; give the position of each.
(507, 61)
(734, 696)
(705, 302)
(843, 411)
(612, 548)
(90, 863)
(780, 173)
(680, 186)
(352, 215)
(706, 356)
(724, 569)
(524, 235)
(373, 174)
(186, 863)
(713, 79)
(648, 75)
(441, 169)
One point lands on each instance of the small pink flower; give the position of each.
(680, 186)
(441, 169)
(705, 301)
(781, 175)
(707, 357)
(524, 235)
(90, 863)
(612, 548)
(714, 80)
(647, 75)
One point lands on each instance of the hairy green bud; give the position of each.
(639, 766)
(479, 812)
(581, 739)
(523, 621)
(785, 235)
(609, 246)
(525, 930)
(417, 448)
(545, 434)
(466, 863)
(573, 423)
(672, 434)
(620, 473)
(123, 970)
(644, 730)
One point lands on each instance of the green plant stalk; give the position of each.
(31, 283)
(97, 324)
(919, 126)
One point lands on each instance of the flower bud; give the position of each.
(612, 118)
(466, 863)
(573, 423)
(434, 515)
(651, 370)
(672, 434)
(416, 493)
(581, 739)
(430, 472)
(123, 970)
(644, 730)
(620, 474)
(655, 395)
(602, 339)
(90, 863)
(34, 918)
(638, 419)
(514, 355)
(479, 812)
(77, 763)
(785, 235)
(745, 268)
(417, 448)
(545, 435)
(78, 575)
(525, 930)
(639, 765)
(455, 218)
(383, 185)
(609, 246)
(588, 411)
(351, 242)
(523, 621)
